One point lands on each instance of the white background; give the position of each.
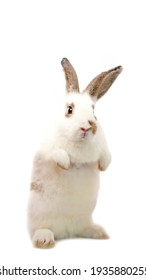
(95, 36)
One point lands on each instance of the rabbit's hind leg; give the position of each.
(95, 232)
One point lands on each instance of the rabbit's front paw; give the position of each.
(104, 162)
(61, 158)
(43, 238)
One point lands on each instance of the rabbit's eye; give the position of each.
(69, 110)
(93, 107)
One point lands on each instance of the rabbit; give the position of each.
(65, 174)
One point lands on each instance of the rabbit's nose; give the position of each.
(85, 129)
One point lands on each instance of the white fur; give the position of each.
(66, 170)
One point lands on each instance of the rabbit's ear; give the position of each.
(72, 83)
(101, 83)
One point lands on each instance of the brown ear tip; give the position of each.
(64, 61)
(118, 69)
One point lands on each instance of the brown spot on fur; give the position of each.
(72, 83)
(35, 187)
(93, 126)
(101, 83)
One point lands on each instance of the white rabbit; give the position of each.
(65, 176)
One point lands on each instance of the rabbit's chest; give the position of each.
(78, 188)
(79, 175)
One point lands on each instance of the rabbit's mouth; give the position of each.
(85, 135)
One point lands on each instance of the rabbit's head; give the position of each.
(79, 122)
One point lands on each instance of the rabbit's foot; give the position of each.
(95, 232)
(61, 158)
(43, 238)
